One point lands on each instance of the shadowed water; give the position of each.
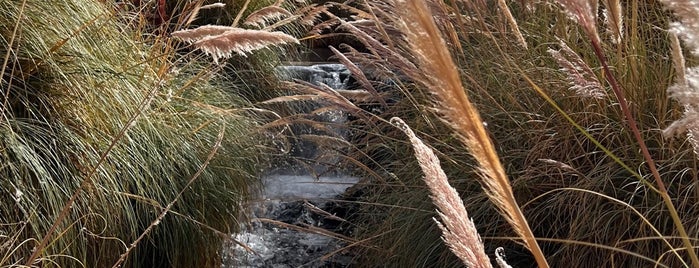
(295, 196)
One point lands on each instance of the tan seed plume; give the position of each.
(444, 81)
(614, 19)
(580, 76)
(261, 17)
(223, 41)
(458, 230)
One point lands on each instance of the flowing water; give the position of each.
(298, 209)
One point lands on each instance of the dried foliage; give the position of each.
(310, 14)
(444, 82)
(571, 160)
(580, 76)
(614, 19)
(262, 16)
(222, 41)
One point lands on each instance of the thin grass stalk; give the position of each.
(240, 14)
(583, 13)
(582, 130)
(162, 215)
(626, 205)
(88, 179)
(631, 121)
(513, 23)
(592, 139)
(7, 55)
(445, 82)
(389, 42)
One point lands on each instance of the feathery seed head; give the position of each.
(580, 76)
(223, 41)
(584, 13)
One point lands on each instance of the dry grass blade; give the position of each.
(261, 17)
(322, 212)
(359, 75)
(380, 50)
(357, 95)
(444, 81)
(513, 23)
(324, 26)
(326, 141)
(310, 14)
(327, 93)
(308, 229)
(240, 13)
(458, 230)
(306, 97)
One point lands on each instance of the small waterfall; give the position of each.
(333, 75)
(295, 196)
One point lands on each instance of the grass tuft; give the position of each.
(122, 125)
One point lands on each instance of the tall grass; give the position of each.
(579, 169)
(457, 111)
(95, 110)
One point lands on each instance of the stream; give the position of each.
(296, 219)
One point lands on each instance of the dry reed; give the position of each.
(444, 81)
(513, 23)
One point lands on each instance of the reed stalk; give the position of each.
(444, 81)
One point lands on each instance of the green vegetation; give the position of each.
(115, 135)
(122, 125)
(587, 192)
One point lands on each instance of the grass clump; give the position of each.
(582, 175)
(123, 126)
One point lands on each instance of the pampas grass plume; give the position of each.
(441, 76)
(260, 17)
(458, 230)
(685, 88)
(614, 19)
(580, 76)
(223, 41)
(584, 13)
